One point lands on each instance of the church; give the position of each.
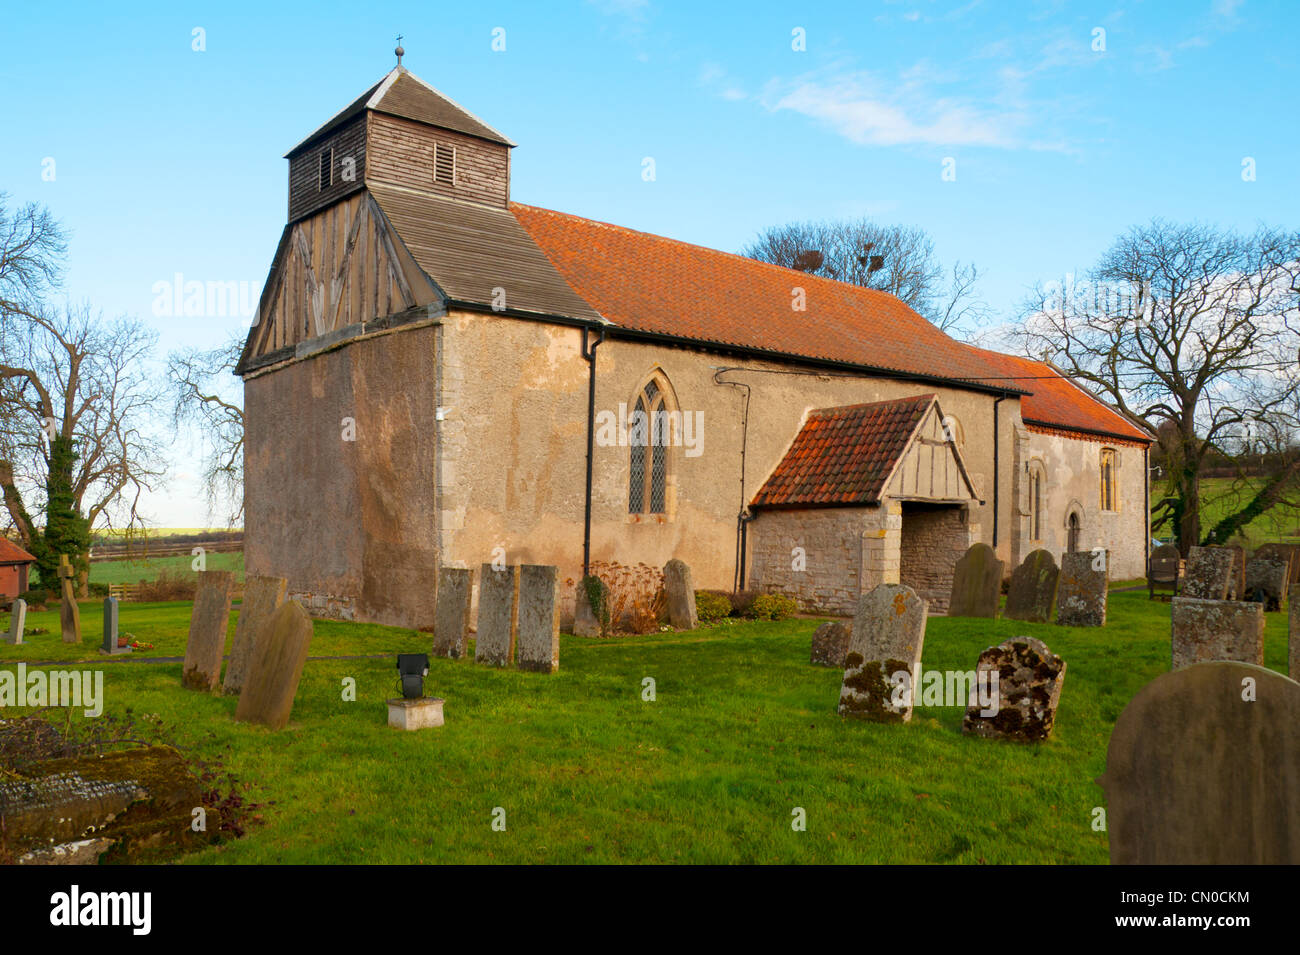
(439, 375)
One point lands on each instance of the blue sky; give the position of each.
(169, 160)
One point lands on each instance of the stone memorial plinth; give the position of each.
(1209, 573)
(451, 616)
(830, 644)
(498, 599)
(209, 620)
(17, 621)
(1207, 630)
(1081, 590)
(1033, 588)
(418, 714)
(883, 662)
(538, 646)
(1029, 680)
(976, 583)
(262, 597)
(275, 667)
(679, 589)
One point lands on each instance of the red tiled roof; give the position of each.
(844, 455)
(11, 553)
(1057, 402)
(653, 284)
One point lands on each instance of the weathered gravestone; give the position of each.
(1203, 768)
(1209, 573)
(1266, 580)
(883, 662)
(451, 617)
(1028, 689)
(498, 598)
(1293, 633)
(1081, 591)
(1205, 630)
(830, 644)
(538, 646)
(275, 668)
(976, 583)
(1284, 552)
(1237, 582)
(680, 591)
(1033, 587)
(586, 621)
(110, 644)
(69, 612)
(17, 620)
(208, 622)
(262, 597)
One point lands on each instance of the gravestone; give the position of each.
(538, 641)
(451, 617)
(830, 644)
(1203, 768)
(1293, 633)
(585, 621)
(1266, 580)
(1237, 582)
(680, 591)
(1206, 630)
(69, 612)
(110, 644)
(1033, 587)
(1209, 573)
(275, 667)
(1029, 679)
(888, 631)
(208, 622)
(1081, 591)
(17, 620)
(976, 583)
(262, 597)
(498, 599)
(1285, 552)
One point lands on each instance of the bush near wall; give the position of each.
(773, 607)
(711, 605)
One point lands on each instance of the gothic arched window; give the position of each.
(1037, 494)
(651, 431)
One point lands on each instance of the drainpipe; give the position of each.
(996, 473)
(743, 517)
(589, 353)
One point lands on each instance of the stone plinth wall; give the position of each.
(831, 539)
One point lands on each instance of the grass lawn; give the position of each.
(133, 571)
(743, 730)
(1223, 496)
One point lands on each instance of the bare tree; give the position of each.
(1193, 333)
(203, 399)
(32, 247)
(896, 259)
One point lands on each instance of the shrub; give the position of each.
(168, 586)
(711, 605)
(741, 602)
(773, 607)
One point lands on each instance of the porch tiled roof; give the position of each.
(11, 553)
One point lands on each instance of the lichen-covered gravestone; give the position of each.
(1205, 630)
(69, 611)
(262, 597)
(1209, 573)
(830, 644)
(883, 662)
(1289, 553)
(17, 620)
(498, 596)
(275, 668)
(586, 621)
(1029, 680)
(1203, 768)
(680, 591)
(208, 621)
(1081, 590)
(976, 583)
(1033, 587)
(451, 618)
(1266, 580)
(538, 645)
(1237, 582)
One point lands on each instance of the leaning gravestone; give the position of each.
(18, 619)
(1206, 630)
(1203, 768)
(208, 622)
(1209, 573)
(1081, 593)
(1029, 679)
(1033, 587)
(680, 591)
(830, 644)
(69, 611)
(275, 668)
(110, 644)
(1266, 580)
(451, 617)
(498, 598)
(538, 647)
(976, 582)
(888, 630)
(262, 597)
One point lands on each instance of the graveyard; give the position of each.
(737, 732)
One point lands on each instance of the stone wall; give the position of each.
(934, 538)
(832, 543)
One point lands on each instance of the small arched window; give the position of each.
(1109, 484)
(651, 432)
(1036, 496)
(1072, 533)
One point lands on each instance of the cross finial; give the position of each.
(399, 51)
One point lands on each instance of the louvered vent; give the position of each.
(444, 164)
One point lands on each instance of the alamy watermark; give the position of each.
(82, 689)
(639, 429)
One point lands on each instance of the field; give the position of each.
(742, 731)
(1222, 496)
(132, 571)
